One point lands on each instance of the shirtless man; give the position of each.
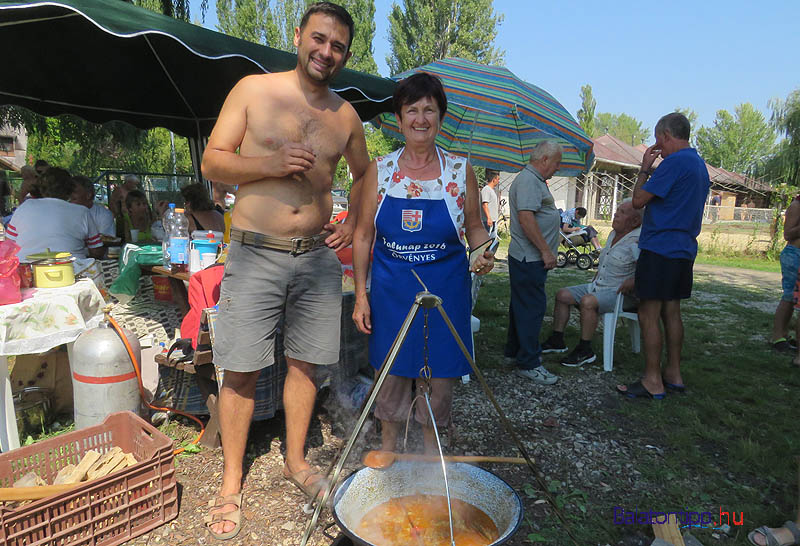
(790, 263)
(290, 130)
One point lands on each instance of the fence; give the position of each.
(714, 213)
(156, 186)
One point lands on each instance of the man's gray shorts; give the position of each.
(262, 285)
(606, 299)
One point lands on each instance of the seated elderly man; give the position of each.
(571, 225)
(83, 194)
(615, 275)
(53, 223)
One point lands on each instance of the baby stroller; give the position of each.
(574, 249)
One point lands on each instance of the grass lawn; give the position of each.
(742, 262)
(730, 442)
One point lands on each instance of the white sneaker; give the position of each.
(538, 375)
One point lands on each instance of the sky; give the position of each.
(642, 59)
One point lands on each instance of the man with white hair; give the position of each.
(532, 253)
(615, 275)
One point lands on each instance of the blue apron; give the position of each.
(419, 233)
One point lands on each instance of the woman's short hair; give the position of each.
(56, 183)
(417, 87)
(134, 196)
(197, 196)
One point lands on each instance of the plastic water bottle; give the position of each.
(166, 224)
(179, 243)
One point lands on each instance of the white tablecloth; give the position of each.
(49, 317)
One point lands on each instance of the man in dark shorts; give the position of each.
(675, 195)
(290, 129)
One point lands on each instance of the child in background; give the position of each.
(137, 216)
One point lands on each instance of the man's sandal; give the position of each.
(301, 480)
(637, 390)
(771, 539)
(234, 516)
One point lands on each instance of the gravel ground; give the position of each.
(559, 430)
(573, 430)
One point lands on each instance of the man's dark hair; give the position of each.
(41, 166)
(676, 124)
(416, 87)
(332, 10)
(85, 183)
(57, 183)
(580, 211)
(491, 174)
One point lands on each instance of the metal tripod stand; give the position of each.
(425, 300)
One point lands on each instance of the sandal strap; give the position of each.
(234, 516)
(792, 526)
(235, 498)
(768, 535)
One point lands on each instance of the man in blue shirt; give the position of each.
(675, 195)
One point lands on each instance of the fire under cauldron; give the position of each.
(367, 488)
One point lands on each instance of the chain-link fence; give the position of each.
(157, 186)
(715, 213)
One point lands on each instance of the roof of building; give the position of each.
(610, 149)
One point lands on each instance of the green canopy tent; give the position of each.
(106, 60)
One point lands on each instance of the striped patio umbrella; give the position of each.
(495, 118)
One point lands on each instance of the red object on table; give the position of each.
(161, 288)
(9, 273)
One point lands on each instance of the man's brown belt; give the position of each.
(293, 245)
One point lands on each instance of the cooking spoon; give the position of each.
(385, 459)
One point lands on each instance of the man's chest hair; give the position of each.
(326, 132)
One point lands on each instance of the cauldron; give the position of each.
(368, 487)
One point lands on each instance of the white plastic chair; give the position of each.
(610, 328)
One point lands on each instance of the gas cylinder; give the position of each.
(103, 378)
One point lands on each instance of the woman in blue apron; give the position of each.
(427, 204)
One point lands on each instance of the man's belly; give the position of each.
(295, 208)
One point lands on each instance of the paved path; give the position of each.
(741, 277)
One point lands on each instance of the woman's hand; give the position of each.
(361, 315)
(484, 263)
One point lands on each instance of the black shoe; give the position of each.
(579, 357)
(784, 345)
(551, 346)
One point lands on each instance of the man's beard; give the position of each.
(315, 74)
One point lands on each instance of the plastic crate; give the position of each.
(104, 512)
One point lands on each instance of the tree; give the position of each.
(249, 20)
(272, 22)
(363, 12)
(622, 126)
(261, 21)
(737, 142)
(423, 31)
(179, 9)
(784, 165)
(690, 114)
(586, 113)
